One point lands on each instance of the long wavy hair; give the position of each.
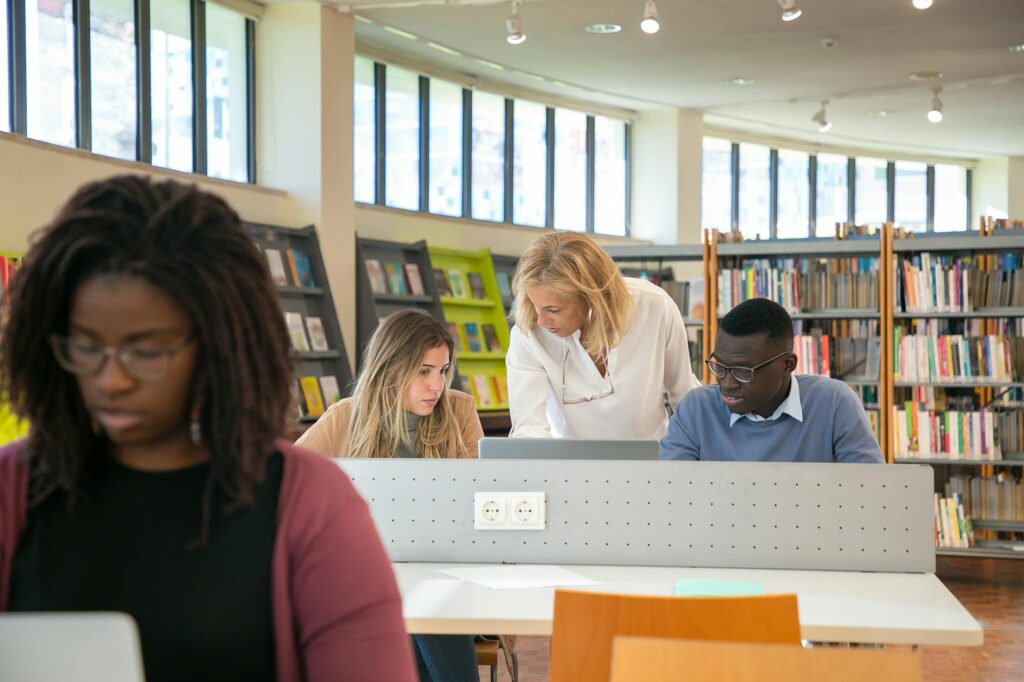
(190, 245)
(390, 363)
(574, 267)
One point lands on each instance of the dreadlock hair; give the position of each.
(190, 245)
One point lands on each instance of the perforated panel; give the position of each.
(733, 515)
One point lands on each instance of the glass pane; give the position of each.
(716, 185)
(364, 132)
(488, 183)
(950, 198)
(912, 195)
(50, 70)
(171, 83)
(609, 176)
(833, 194)
(114, 104)
(530, 164)
(402, 143)
(755, 190)
(227, 95)
(570, 170)
(794, 185)
(445, 148)
(5, 92)
(872, 192)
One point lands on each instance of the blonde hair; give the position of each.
(390, 363)
(573, 266)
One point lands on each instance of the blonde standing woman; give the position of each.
(592, 351)
(403, 406)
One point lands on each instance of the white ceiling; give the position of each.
(704, 42)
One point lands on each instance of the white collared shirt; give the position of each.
(652, 357)
(791, 406)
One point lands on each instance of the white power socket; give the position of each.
(509, 511)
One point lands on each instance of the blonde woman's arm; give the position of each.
(329, 435)
(528, 389)
(679, 376)
(469, 423)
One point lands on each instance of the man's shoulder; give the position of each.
(701, 398)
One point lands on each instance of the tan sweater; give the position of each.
(330, 434)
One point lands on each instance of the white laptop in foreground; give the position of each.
(84, 647)
(566, 448)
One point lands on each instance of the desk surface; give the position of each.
(835, 606)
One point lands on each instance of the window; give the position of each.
(5, 102)
(833, 194)
(227, 95)
(912, 195)
(530, 164)
(570, 170)
(793, 194)
(716, 184)
(609, 176)
(950, 198)
(50, 70)
(445, 148)
(402, 139)
(171, 84)
(755, 191)
(364, 131)
(488, 182)
(113, 64)
(872, 192)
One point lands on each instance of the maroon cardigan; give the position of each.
(337, 610)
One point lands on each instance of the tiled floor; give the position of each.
(991, 589)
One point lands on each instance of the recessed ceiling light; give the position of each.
(401, 33)
(445, 49)
(740, 80)
(603, 28)
(531, 76)
(491, 65)
(361, 19)
(925, 75)
(1000, 81)
(881, 113)
(559, 84)
(1017, 48)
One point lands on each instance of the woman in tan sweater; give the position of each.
(403, 406)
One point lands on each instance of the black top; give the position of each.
(203, 613)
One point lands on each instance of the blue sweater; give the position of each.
(834, 429)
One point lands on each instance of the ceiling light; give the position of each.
(821, 118)
(491, 65)
(515, 27)
(922, 4)
(650, 23)
(445, 49)
(603, 28)
(881, 113)
(739, 80)
(925, 75)
(399, 32)
(789, 10)
(935, 115)
(361, 19)
(1017, 48)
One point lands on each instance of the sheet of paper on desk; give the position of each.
(515, 576)
(717, 588)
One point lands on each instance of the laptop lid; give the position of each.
(567, 448)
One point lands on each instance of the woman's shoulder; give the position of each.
(461, 402)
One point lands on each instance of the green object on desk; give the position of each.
(717, 588)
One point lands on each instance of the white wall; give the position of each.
(1015, 187)
(989, 189)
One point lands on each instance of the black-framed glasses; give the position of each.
(588, 399)
(83, 357)
(744, 375)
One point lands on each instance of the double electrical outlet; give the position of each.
(509, 511)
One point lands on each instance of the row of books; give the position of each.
(399, 279)
(468, 337)
(812, 354)
(488, 390)
(855, 344)
(290, 268)
(949, 434)
(8, 266)
(956, 358)
(1011, 431)
(992, 498)
(316, 394)
(299, 326)
(689, 296)
(953, 527)
(802, 284)
(928, 282)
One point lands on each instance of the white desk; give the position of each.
(885, 608)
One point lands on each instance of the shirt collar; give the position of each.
(791, 406)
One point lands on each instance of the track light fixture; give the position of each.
(922, 4)
(514, 26)
(650, 24)
(789, 10)
(935, 115)
(821, 118)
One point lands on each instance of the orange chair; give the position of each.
(585, 623)
(643, 659)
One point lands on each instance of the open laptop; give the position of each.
(84, 647)
(566, 448)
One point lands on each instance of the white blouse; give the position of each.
(627, 403)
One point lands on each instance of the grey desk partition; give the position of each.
(856, 517)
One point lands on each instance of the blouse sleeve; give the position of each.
(325, 436)
(472, 430)
(528, 388)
